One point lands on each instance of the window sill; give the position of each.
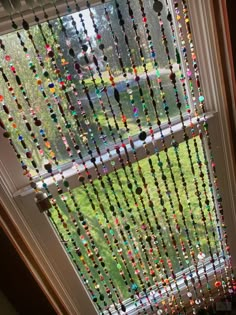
(131, 309)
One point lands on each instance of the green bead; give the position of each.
(201, 98)
(6, 134)
(177, 57)
(119, 266)
(66, 183)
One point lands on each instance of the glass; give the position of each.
(21, 60)
(95, 218)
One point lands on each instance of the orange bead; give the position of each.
(217, 284)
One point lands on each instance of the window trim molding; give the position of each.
(219, 92)
(31, 263)
(64, 289)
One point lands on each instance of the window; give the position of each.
(111, 116)
(147, 202)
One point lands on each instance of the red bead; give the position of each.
(145, 19)
(124, 119)
(217, 284)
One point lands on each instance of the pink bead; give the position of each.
(189, 73)
(7, 58)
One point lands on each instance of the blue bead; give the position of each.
(134, 286)
(201, 98)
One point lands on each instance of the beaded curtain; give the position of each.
(91, 87)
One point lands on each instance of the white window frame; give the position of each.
(34, 227)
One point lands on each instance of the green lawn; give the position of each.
(95, 218)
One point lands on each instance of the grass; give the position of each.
(128, 111)
(95, 219)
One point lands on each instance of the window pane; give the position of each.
(130, 219)
(32, 64)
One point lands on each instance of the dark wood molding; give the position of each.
(224, 11)
(26, 261)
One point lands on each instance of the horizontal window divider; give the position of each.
(27, 12)
(71, 173)
(131, 309)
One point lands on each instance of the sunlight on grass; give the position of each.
(124, 216)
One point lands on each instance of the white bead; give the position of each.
(201, 256)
